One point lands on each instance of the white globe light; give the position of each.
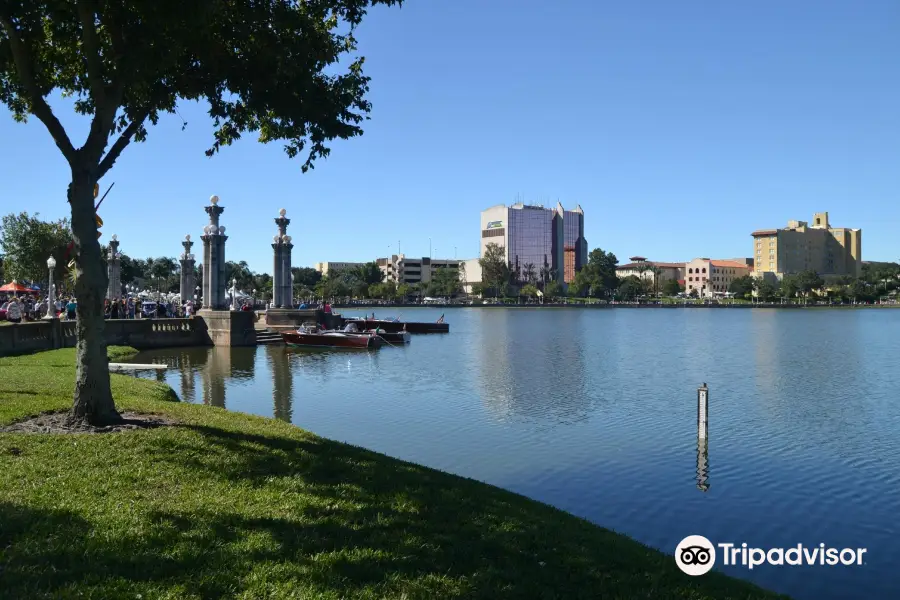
(213, 200)
(114, 237)
(282, 212)
(287, 239)
(187, 238)
(221, 230)
(276, 239)
(51, 262)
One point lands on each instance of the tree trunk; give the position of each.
(93, 402)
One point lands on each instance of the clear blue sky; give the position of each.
(679, 127)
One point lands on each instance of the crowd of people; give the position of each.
(18, 309)
(24, 308)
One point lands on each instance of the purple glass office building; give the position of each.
(536, 236)
(574, 245)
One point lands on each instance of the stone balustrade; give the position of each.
(138, 333)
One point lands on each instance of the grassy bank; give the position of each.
(232, 505)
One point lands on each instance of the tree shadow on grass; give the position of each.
(322, 518)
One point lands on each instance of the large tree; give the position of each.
(445, 282)
(271, 67)
(807, 282)
(790, 287)
(743, 286)
(369, 273)
(240, 272)
(28, 242)
(495, 272)
(672, 288)
(766, 291)
(631, 287)
(598, 276)
(306, 276)
(163, 271)
(552, 289)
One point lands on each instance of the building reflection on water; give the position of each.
(532, 368)
(224, 363)
(282, 382)
(186, 371)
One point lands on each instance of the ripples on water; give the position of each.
(595, 411)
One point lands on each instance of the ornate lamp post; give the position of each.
(51, 295)
(234, 294)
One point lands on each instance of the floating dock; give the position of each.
(136, 367)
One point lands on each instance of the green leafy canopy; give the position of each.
(28, 242)
(262, 65)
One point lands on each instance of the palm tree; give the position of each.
(528, 273)
(655, 270)
(463, 278)
(545, 275)
(515, 273)
(162, 268)
(641, 268)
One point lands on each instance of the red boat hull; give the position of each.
(320, 340)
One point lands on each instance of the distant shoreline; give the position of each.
(623, 305)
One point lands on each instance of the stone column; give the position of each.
(214, 258)
(281, 276)
(187, 271)
(276, 271)
(114, 287)
(205, 275)
(286, 272)
(223, 282)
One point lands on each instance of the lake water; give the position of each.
(595, 411)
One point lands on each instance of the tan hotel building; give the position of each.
(709, 276)
(665, 270)
(800, 247)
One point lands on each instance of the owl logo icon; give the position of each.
(695, 555)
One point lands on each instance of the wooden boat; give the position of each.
(309, 337)
(391, 337)
(391, 326)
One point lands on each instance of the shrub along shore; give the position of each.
(225, 504)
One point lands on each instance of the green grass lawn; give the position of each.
(232, 505)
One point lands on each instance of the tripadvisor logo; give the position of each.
(696, 555)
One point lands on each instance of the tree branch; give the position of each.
(39, 106)
(120, 144)
(117, 88)
(92, 52)
(104, 108)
